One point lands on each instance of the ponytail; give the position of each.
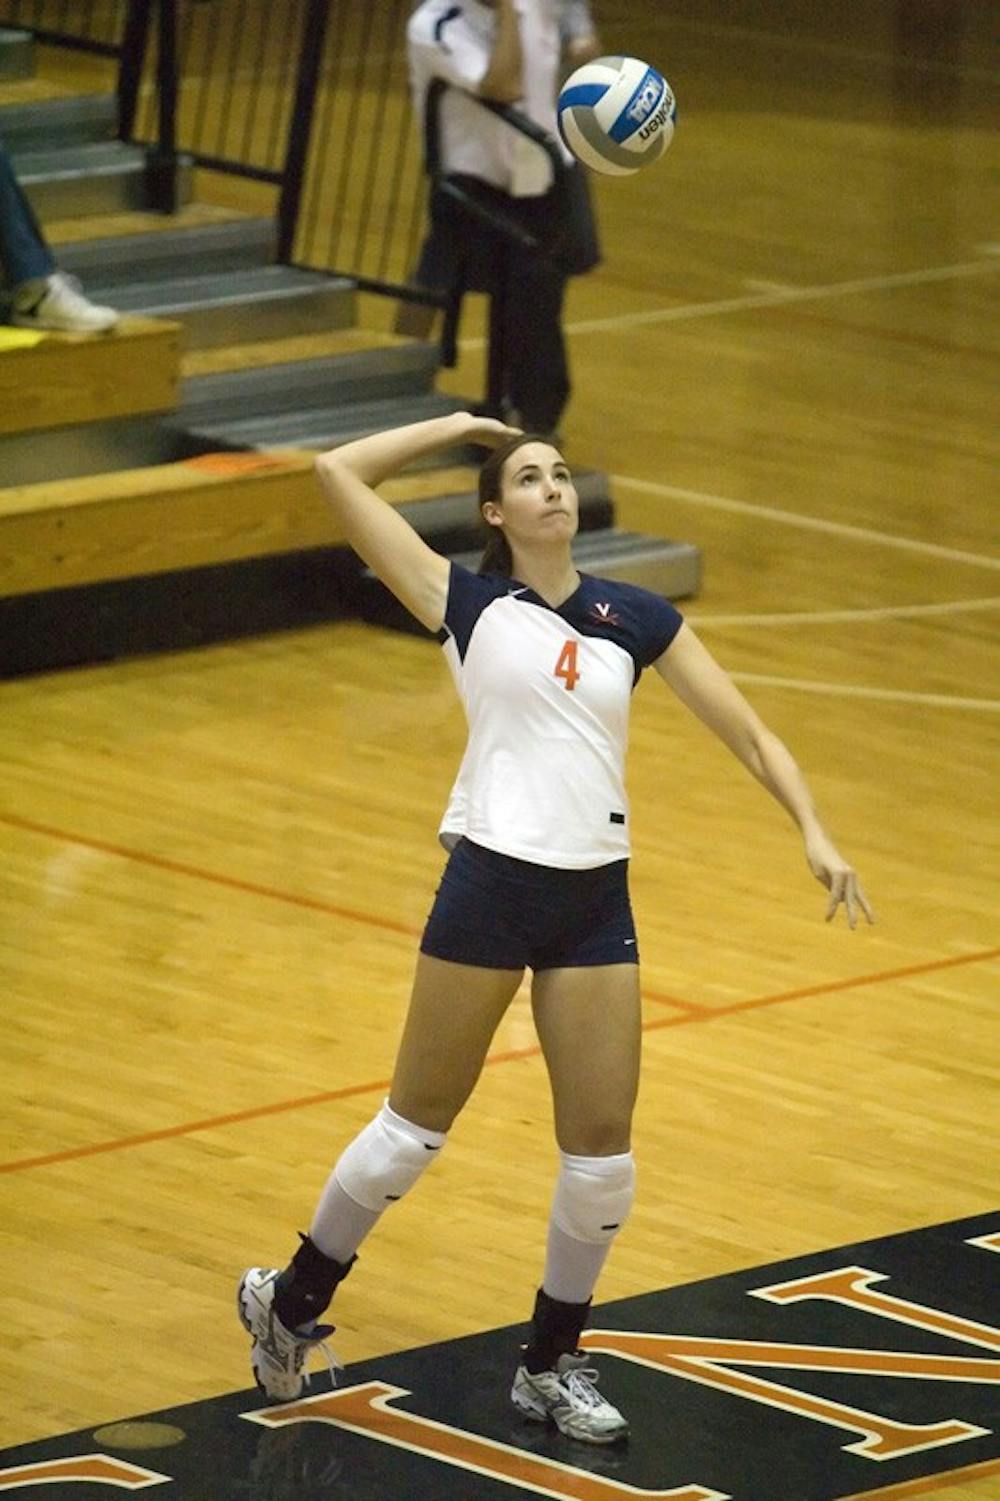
(497, 557)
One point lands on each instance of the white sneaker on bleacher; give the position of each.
(56, 303)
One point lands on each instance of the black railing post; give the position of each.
(300, 126)
(162, 163)
(131, 60)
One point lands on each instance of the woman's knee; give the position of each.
(604, 1138)
(594, 1196)
(386, 1158)
(431, 1112)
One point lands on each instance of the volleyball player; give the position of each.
(545, 661)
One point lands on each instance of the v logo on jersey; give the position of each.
(605, 614)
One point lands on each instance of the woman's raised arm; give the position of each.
(416, 574)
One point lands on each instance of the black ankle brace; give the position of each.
(555, 1330)
(304, 1289)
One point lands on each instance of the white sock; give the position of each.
(572, 1267)
(340, 1224)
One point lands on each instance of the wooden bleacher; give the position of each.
(50, 380)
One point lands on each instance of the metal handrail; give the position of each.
(528, 127)
(489, 214)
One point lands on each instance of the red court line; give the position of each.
(931, 1483)
(233, 883)
(188, 1128)
(513, 1055)
(709, 1013)
(694, 1007)
(314, 904)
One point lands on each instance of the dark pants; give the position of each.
(24, 255)
(463, 253)
(536, 366)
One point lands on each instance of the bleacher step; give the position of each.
(317, 405)
(68, 182)
(77, 384)
(226, 307)
(16, 54)
(84, 449)
(222, 546)
(288, 390)
(58, 123)
(326, 427)
(105, 265)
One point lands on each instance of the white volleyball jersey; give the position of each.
(547, 693)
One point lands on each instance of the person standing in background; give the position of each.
(510, 52)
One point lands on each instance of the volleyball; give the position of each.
(616, 114)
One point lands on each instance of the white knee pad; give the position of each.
(593, 1196)
(386, 1159)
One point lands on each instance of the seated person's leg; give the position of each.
(40, 295)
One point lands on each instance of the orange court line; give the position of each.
(189, 1127)
(513, 1055)
(694, 1007)
(315, 904)
(234, 883)
(931, 1483)
(709, 1013)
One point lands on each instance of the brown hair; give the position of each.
(497, 555)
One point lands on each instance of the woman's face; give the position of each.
(538, 500)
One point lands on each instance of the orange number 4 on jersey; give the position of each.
(566, 667)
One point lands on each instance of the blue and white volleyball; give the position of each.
(616, 114)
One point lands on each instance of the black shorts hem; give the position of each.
(599, 962)
(478, 963)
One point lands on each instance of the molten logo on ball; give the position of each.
(654, 125)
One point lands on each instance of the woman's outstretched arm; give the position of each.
(710, 693)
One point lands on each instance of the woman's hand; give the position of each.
(839, 878)
(488, 431)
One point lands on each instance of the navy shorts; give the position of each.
(500, 913)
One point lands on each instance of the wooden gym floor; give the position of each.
(216, 865)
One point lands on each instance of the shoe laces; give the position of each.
(317, 1340)
(334, 1364)
(580, 1383)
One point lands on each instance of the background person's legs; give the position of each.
(537, 366)
(40, 295)
(24, 255)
